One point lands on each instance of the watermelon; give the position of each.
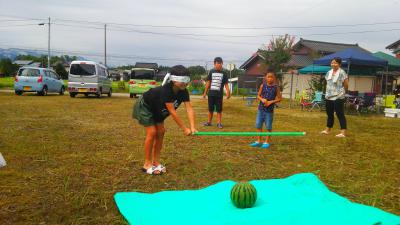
(243, 195)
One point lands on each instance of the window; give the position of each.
(102, 72)
(143, 74)
(28, 72)
(47, 73)
(55, 76)
(83, 69)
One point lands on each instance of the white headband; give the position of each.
(168, 77)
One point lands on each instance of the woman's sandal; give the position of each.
(152, 170)
(340, 135)
(161, 168)
(324, 132)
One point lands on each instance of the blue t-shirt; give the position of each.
(269, 93)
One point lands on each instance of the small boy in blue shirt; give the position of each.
(268, 94)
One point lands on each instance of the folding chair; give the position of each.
(317, 101)
(367, 104)
(352, 101)
(305, 100)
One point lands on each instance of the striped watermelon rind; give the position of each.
(243, 195)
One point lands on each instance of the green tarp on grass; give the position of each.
(301, 199)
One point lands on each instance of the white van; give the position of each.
(88, 77)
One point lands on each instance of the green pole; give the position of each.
(250, 133)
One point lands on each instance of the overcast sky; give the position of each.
(190, 32)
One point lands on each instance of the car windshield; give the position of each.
(143, 74)
(28, 72)
(83, 69)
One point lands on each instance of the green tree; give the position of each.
(277, 54)
(60, 70)
(127, 67)
(317, 82)
(236, 72)
(7, 67)
(54, 60)
(163, 68)
(196, 72)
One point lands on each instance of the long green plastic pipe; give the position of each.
(250, 133)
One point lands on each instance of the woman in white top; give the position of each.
(337, 83)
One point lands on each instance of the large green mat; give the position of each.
(301, 199)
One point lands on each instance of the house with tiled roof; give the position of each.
(303, 54)
(305, 51)
(395, 48)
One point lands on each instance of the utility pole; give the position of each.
(105, 44)
(48, 48)
(48, 43)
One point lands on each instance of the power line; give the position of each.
(4, 21)
(183, 36)
(352, 32)
(19, 17)
(210, 35)
(206, 27)
(231, 36)
(18, 25)
(231, 28)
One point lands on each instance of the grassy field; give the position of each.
(7, 82)
(67, 157)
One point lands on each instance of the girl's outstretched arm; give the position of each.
(190, 114)
(171, 109)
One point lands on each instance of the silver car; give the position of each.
(87, 77)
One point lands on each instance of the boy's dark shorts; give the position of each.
(215, 102)
(141, 112)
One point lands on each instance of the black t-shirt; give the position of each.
(156, 98)
(217, 81)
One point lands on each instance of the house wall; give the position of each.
(300, 82)
(361, 84)
(256, 68)
(253, 75)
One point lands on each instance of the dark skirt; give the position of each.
(142, 113)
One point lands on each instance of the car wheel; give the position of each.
(18, 92)
(72, 95)
(44, 91)
(110, 92)
(62, 90)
